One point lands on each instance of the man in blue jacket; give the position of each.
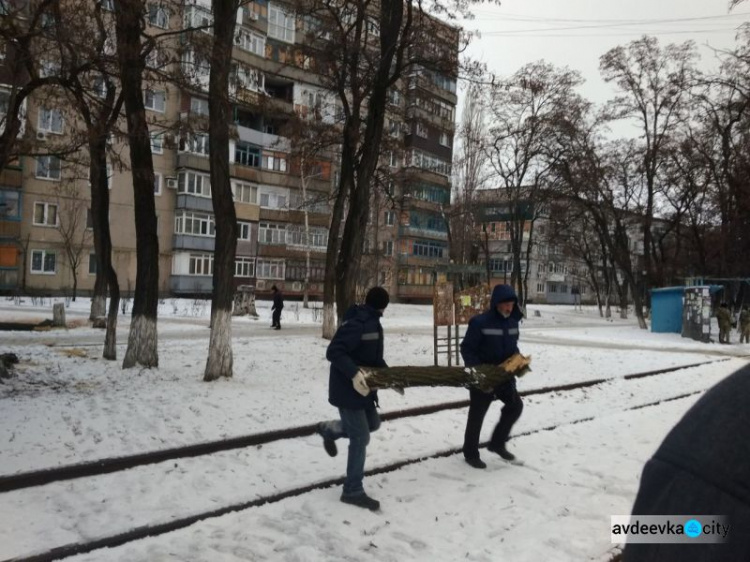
(358, 343)
(491, 338)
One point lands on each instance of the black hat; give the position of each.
(273, 288)
(377, 298)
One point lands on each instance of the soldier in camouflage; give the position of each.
(725, 322)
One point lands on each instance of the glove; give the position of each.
(360, 384)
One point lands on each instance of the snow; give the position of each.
(67, 405)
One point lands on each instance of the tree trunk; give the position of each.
(220, 359)
(142, 341)
(106, 276)
(484, 377)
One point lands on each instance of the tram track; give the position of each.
(110, 465)
(146, 531)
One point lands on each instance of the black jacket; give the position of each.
(702, 468)
(358, 343)
(278, 301)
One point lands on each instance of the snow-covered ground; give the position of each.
(67, 405)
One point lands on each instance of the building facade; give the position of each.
(283, 211)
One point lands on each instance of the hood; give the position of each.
(503, 293)
(360, 310)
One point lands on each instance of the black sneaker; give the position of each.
(361, 500)
(502, 451)
(476, 463)
(328, 444)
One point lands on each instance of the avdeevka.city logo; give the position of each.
(668, 529)
(693, 528)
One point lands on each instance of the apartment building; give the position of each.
(274, 198)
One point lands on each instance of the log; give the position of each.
(483, 377)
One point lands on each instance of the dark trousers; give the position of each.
(276, 319)
(480, 403)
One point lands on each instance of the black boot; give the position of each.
(476, 462)
(361, 500)
(328, 444)
(502, 451)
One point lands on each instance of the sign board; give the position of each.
(696, 313)
(471, 302)
(442, 304)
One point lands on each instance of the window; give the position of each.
(540, 287)
(247, 155)
(201, 264)
(158, 15)
(157, 183)
(275, 163)
(50, 120)
(428, 249)
(199, 106)
(249, 78)
(393, 159)
(250, 41)
(421, 130)
(244, 266)
(445, 139)
(394, 97)
(280, 24)
(197, 144)
(157, 143)
(194, 183)
(194, 224)
(155, 100)
(108, 5)
(429, 162)
(99, 87)
(198, 18)
(295, 235)
(9, 205)
(372, 27)
(389, 218)
(273, 200)
(89, 219)
(271, 233)
(244, 192)
(43, 261)
(92, 264)
(48, 167)
(270, 269)
(243, 231)
(388, 248)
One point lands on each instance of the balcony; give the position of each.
(264, 140)
(194, 203)
(413, 232)
(191, 242)
(193, 161)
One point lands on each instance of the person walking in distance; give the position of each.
(357, 344)
(278, 306)
(491, 338)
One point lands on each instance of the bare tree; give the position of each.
(131, 53)
(655, 87)
(71, 221)
(525, 110)
(220, 359)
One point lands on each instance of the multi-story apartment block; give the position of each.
(411, 237)
(270, 88)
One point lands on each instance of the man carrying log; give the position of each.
(492, 337)
(357, 343)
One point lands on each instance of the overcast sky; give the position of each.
(576, 33)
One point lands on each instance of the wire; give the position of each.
(620, 34)
(540, 19)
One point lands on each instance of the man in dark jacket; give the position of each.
(702, 468)
(491, 338)
(357, 343)
(278, 305)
